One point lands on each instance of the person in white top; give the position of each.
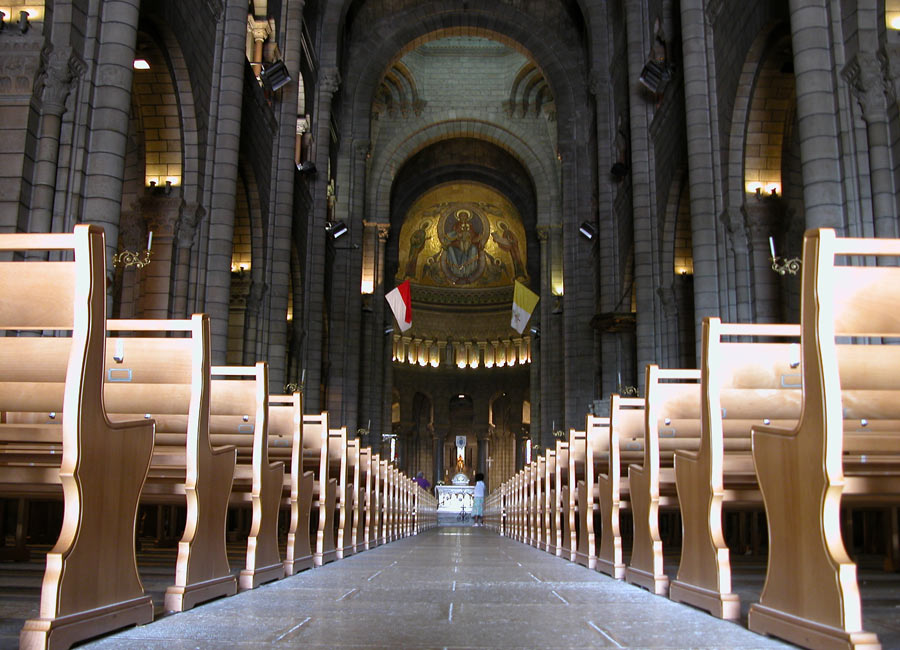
(478, 506)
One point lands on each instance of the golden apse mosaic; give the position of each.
(462, 235)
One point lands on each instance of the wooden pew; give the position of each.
(168, 379)
(577, 441)
(551, 523)
(540, 464)
(91, 584)
(239, 409)
(339, 469)
(562, 535)
(315, 456)
(286, 444)
(749, 375)
(361, 460)
(373, 513)
(845, 447)
(534, 505)
(595, 446)
(626, 441)
(672, 410)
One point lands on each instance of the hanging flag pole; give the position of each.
(400, 300)
(524, 302)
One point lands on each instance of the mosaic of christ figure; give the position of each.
(462, 234)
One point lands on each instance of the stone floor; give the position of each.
(454, 586)
(451, 587)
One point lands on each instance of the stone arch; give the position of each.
(385, 167)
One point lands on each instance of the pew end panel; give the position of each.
(103, 464)
(241, 394)
(671, 395)
(749, 375)
(625, 431)
(176, 394)
(811, 595)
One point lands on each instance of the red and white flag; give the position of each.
(401, 304)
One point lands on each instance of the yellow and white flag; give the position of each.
(524, 302)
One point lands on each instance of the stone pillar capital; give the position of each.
(60, 68)
(330, 82)
(865, 76)
(260, 29)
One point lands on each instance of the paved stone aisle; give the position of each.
(451, 587)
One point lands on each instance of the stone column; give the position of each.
(864, 74)
(61, 67)
(762, 218)
(225, 137)
(817, 125)
(315, 236)
(373, 390)
(255, 301)
(702, 138)
(438, 456)
(110, 114)
(161, 214)
(548, 392)
(185, 235)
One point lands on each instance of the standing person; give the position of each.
(422, 481)
(478, 506)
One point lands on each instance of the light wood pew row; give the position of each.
(90, 584)
(240, 408)
(360, 459)
(286, 444)
(563, 535)
(672, 410)
(550, 507)
(540, 464)
(168, 379)
(373, 514)
(575, 455)
(749, 375)
(513, 505)
(624, 446)
(384, 480)
(845, 447)
(338, 468)
(596, 445)
(534, 506)
(315, 456)
(520, 505)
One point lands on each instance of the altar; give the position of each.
(457, 497)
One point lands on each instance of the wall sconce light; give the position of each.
(557, 305)
(306, 167)
(140, 259)
(2, 20)
(336, 229)
(275, 75)
(23, 21)
(535, 331)
(588, 230)
(781, 265)
(161, 190)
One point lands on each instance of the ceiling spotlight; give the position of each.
(588, 230)
(619, 171)
(654, 76)
(275, 75)
(336, 229)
